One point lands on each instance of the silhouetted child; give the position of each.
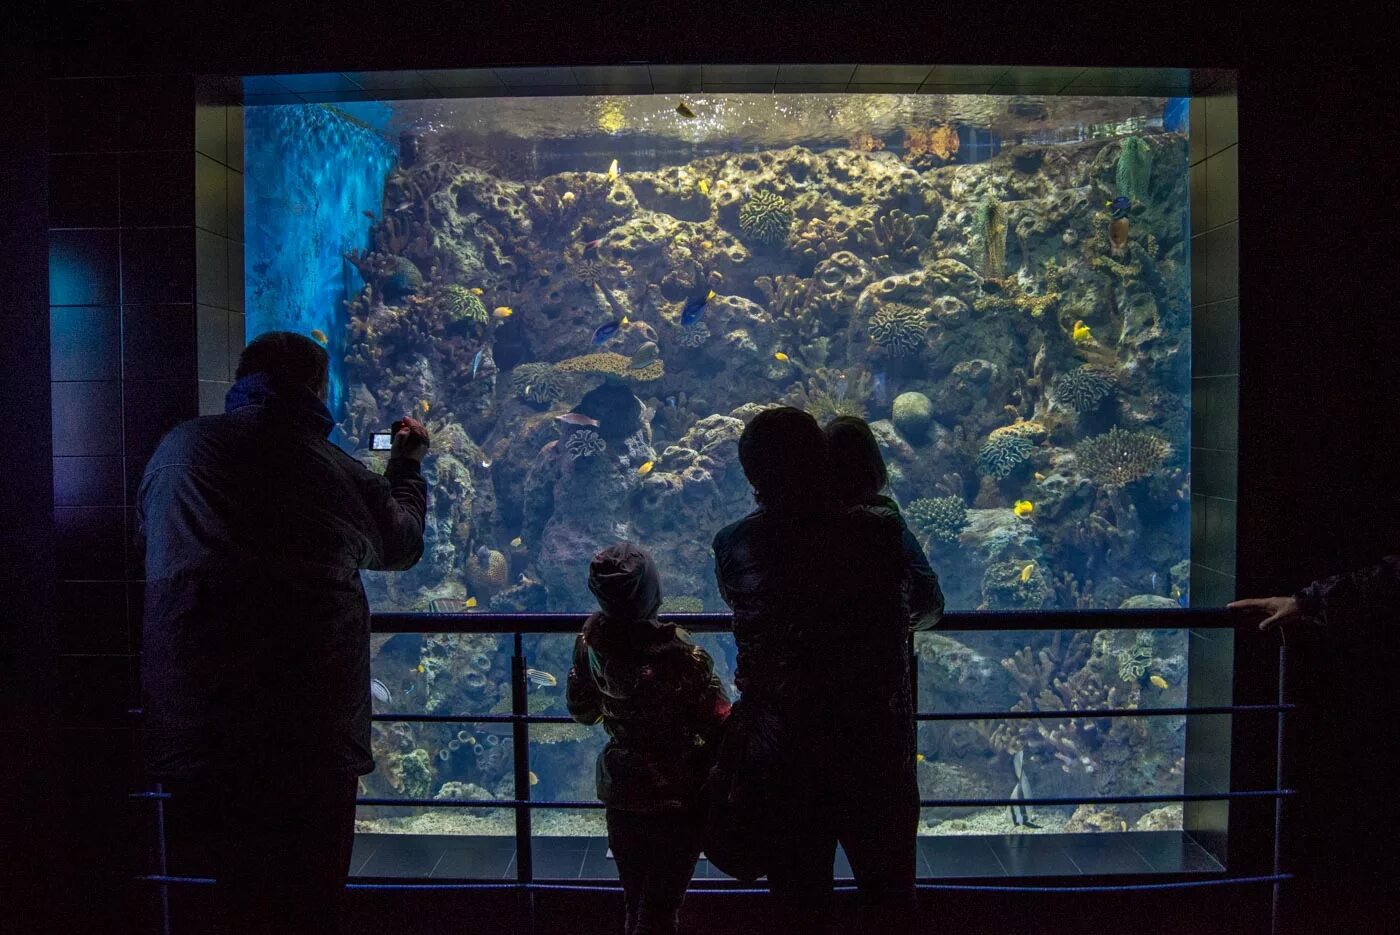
(858, 481)
(661, 704)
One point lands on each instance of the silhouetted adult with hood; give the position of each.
(821, 620)
(255, 668)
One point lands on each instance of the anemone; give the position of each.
(1083, 388)
(899, 329)
(765, 217)
(1117, 457)
(940, 519)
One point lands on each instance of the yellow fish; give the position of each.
(1158, 681)
(645, 469)
(420, 670)
(918, 758)
(534, 780)
(516, 543)
(1039, 476)
(424, 405)
(612, 171)
(471, 602)
(320, 336)
(1023, 508)
(624, 321)
(476, 290)
(1122, 825)
(709, 295)
(780, 356)
(1081, 333)
(503, 311)
(684, 110)
(1026, 572)
(706, 244)
(703, 186)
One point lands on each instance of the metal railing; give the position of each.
(517, 626)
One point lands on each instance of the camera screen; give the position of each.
(382, 441)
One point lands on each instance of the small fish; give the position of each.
(486, 464)
(1158, 681)
(471, 602)
(368, 214)
(567, 198)
(882, 392)
(918, 758)
(1026, 572)
(592, 244)
(1181, 600)
(445, 605)
(503, 312)
(320, 336)
(1081, 333)
(534, 780)
(703, 186)
(1122, 825)
(402, 206)
(684, 110)
(541, 678)
(379, 690)
(645, 469)
(1154, 582)
(781, 358)
(477, 290)
(612, 171)
(577, 418)
(420, 669)
(424, 405)
(408, 688)
(476, 361)
(1120, 206)
(1038, 476)
(1118, 234)
(707, 244)
(516, 543)
(606, 331)
(694, 307)
(1023, 508)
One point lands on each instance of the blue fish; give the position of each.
(1181, 601)
(1120, 207)
(694, 307)
(605, 331)
(408, 688)
(671, 402)
(476, 362)
(882, 393)
(1176, 114)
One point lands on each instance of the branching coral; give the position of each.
(765, 217)
(938, 519)
(989, 224)
(584, 443)
(1014, 299)
(1117, 457)
(941, 141)
(537, 383)
(1083, 388)
(831, 393)
(609, 364)
(1134, 171)
(787, 295)
(899, 329)
(892, 235)
(818, 238)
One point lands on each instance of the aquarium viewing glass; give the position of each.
(586, 298)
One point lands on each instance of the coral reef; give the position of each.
(584, 443)
(1002, 453)
(1083, 388)
(537, 383)
(765, 217)
(899, 329)
(912, 414)
(1134, 170)
(937, 519)
(1118, 457)
(989, 224)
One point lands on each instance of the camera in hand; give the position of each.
(381, 441)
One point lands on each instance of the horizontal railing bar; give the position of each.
(929, 716)
(1183, 619)
(925, 803)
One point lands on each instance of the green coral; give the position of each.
(1007, 586)
(765, 217)
(609, 364)
(1117, 457)
(537, 383)
(1134, 172)
(682, 605)
(899, 329)
(828, 394)
(1002, 452)
(989, 225)
(461, 303)
(912, 413)
(416, 771)
(1133, 661)
(939, 519)
(1083, 388)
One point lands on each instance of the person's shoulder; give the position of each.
(734, 530)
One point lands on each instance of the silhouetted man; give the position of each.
(255, 669)
(821, 621)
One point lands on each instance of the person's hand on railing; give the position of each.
(1277, 610)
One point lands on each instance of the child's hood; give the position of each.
(624, 579)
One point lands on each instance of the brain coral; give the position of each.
(609, 364)
(584, 443)
(1083, 388)
(941, 519)
(1116, 457)
(537, 383)
(459, 302)
(694, 336)
(899, 329)
(1002, 452)
(765, 217)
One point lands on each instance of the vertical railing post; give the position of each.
(520, 732)
(163, 860)
(1278, 784)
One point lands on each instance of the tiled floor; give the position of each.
(446, 857)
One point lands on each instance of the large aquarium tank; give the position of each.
(587, 298)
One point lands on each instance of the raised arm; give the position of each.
(581, 693)
(925, 594)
